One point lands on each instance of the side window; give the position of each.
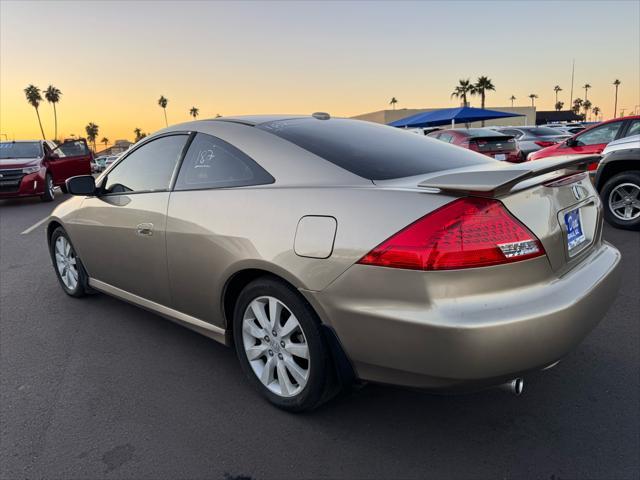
(214, 163)
(602, 134)
(634, 128)
(149, 168)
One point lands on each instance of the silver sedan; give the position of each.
(328, 251)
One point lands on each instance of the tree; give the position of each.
(92, 133)
(462, 90)
(596, 111)
(162, 101)
(194, 112)
(52, 94)
(481, 87)
(512, 98)
(34, 98)
(139, 134)
(616, 84)
(105, 140)
(586, 89)
(559, 105)
(577, 105)
(393, 102)
(586, 105)
(533, 97)
(557, 89)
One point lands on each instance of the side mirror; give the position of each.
(81, 185)
(53, 156)
(571, 142)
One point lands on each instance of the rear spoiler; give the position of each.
(503, 177)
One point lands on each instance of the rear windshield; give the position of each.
(20, 150)
(543, 131)
(481, 132)
(371, 150)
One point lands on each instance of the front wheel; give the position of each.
(280, 346)
(48, 194)
(67, 264)
(621, 200)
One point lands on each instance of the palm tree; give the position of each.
(34, 98)
(557, 89)
(393, 102)
(512, 98)
(139, 134)
(463, 89)
(163, 103)
(559, 105)
(105, 140)
(92, 133)
(586, 89)
(194, 112)
(52, 94)
(481, 87)
(596, 111)
(586, 105)
(577, 105)
(616, 83)
(533, 97)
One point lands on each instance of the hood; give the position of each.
(8, 163)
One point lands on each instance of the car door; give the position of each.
(594, 140)
(203, 217)
(120, 233)
(69, 159)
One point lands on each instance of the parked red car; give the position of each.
(35, 167)
(488, 142)
(592, 140)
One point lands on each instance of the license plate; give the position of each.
(500, 156)
(575, 234)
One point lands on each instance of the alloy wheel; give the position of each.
(50, 186)
(276, 346)
(66, 263)
(624, 201)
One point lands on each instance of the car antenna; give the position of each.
(321, 115)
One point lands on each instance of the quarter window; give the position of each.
(214, 163)
(603, 134)
(149, 168)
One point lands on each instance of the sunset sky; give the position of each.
(112, 60)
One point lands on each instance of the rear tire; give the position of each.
(278, 337)
(48, 194)
(68, 267)
(621, 200)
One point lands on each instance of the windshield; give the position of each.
(20, 150)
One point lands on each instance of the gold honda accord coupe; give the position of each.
(329, 251)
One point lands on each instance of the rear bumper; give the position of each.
(397, 327)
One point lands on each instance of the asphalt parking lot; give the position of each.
(97, 388)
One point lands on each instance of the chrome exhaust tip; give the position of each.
(515, 386)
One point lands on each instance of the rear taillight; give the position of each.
(466, 233)
(592, 166)
(544, 143)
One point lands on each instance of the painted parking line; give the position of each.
(34, 226)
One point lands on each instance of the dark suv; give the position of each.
(618, 181)
(35, 167)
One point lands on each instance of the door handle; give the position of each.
(145, 229)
